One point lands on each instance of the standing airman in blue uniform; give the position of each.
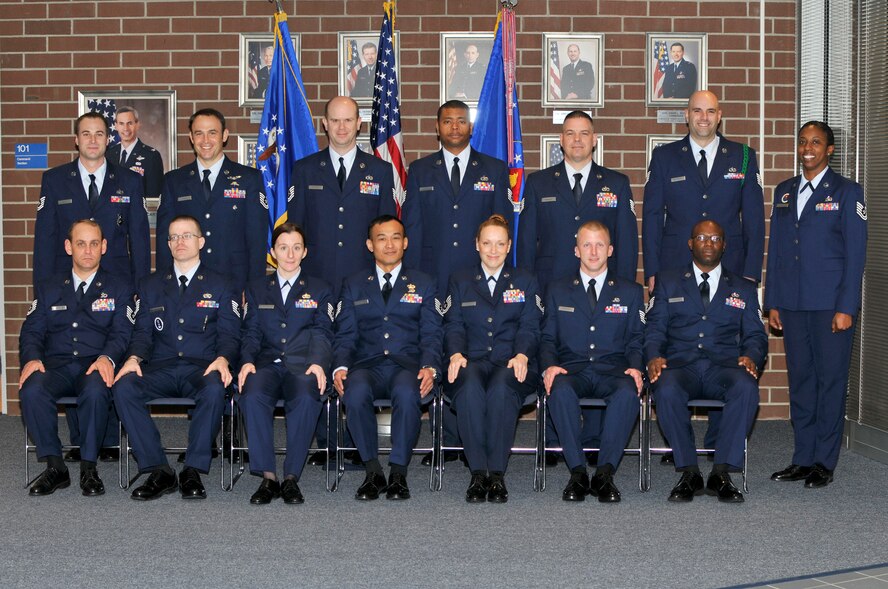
(286, 354)
(225, 197)
(187, 335)
(387, 344)
(77, 330)
(132, 153)
(592, 347)
(450, 193)
(492, 332)
(704, 339)
(816, 257)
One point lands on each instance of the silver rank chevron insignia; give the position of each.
(861, 210)
(132, 312)
(642, 316)
(33, 307)
(263, 200)
(331, 312)
(649, 306)
(443, 308)
(235, 307)
(338, 309)
(40, 203)
(539, 302)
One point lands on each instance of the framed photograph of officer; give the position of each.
(655, 141)
(573, 70)
(464, 58)
(675, 67)
(357, 55)
(551, 153)
(254, 66)
(154, 117)
(246, 152)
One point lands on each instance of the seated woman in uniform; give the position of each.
(288, 330)
(492, 330)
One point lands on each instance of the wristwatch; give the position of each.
(434, 372)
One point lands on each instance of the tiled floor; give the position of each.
(875, 577)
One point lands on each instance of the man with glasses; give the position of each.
(704, 339)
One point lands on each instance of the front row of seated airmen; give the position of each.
(492, 341)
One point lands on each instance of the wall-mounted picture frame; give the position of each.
(573, 71)
(675, 67)
(157, 116)
(357, 56)
(246, 151)
(551, 154)
(254, 64)
(464, 58)
(655, 141)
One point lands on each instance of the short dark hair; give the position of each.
(580, 114)
(91, 115)
(89, 222)
(206, 112)
(384, 219)
(286, 228)
(178, 218)
(830, 136)
(452, 104)
(677, 44)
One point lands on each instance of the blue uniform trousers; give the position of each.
(39, 395)
(179, 380)
(618, 392)
(817, 361)
(385, 380)
(704, 380)
(487, 399)
(302, 405)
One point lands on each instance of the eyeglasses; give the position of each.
(185, 237)
(716, 239)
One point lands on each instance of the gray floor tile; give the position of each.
(841, 577)
(866, 583)
(799, 584)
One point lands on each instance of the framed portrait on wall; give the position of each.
(254, 65)
(157, 116)
(464, 58)
(675, 67)
(573, 70)
(357, 55)
(551, 154)
(655, 141)
(246, 151)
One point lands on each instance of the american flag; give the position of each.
(107, 107)
(661, 61)
(253, 71)
(352, 65)
(451, 62)
(554, 71)
(556, 156)
(385, 124)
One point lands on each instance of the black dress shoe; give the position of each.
(577, 487)
(819, 476)
(793, 472)
(397, 487)
(690, 484)
(592, 458)
(190, 484)
(669, 458)
(268, 489)
(48, 481)
(477, 491)
(290, 492)
(318, 459)
(552, 458)
(719, 484)
(602, 486)
(159, 483)
(72, 455)
(90, 483)
(373, 485)
(109, 455)
(497, 493)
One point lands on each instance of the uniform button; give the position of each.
(283, 340)
(795, 241)
(207, 216)
(490, 319)
(181, 354)
(209, 250)
(591, 346)
(76, 353)
(340, 225)
(456, 225)
(74, 339)
(796, 257)
(592, 328)
(385, 335)
(455, 244)
(75, 323)
(283, 325)
(705, 214)
(339, 244)
(455, 207)
(796, 225)
(386, 352)
(489, 334)
(181, 321)
(700, 346)
(341, 209)
(179, 337)
(591, 358)
(700, 334)
(577, 218)
(209, 233)
(385, 318)
(703, 317)
(705, 196)
(489, 349)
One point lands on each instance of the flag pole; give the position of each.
(278, 6)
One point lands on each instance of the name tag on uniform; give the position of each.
(826, 206)
(183, 198)
(677, 300)
(426, 188)
(549, 199)
(411, 298)
(65, 201)
(103, 305)
(484, 186)
(155, 310)
(59, 308)
(121, 199)
(513, 296)
(566, 309)
(362, 302)
(619, 309)
(315, 187)
(607, 199)
(235, 193)
(208, 304)
(266, 307)
(469, 304)
(678, 179)
(735, 302)
(370, 188)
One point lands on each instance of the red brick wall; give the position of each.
(50, 50)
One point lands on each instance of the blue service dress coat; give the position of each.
(234, 221)
(679, 82)
(440, 225)
(578, 79)
(68, 336)
(282, 339)
(548, 226)
(335, 220)
(121, 212)
(145, 161)
(676, 199)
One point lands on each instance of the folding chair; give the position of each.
(706, 404)
(529, 400)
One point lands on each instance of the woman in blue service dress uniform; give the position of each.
(286, 354)
(491, 334)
